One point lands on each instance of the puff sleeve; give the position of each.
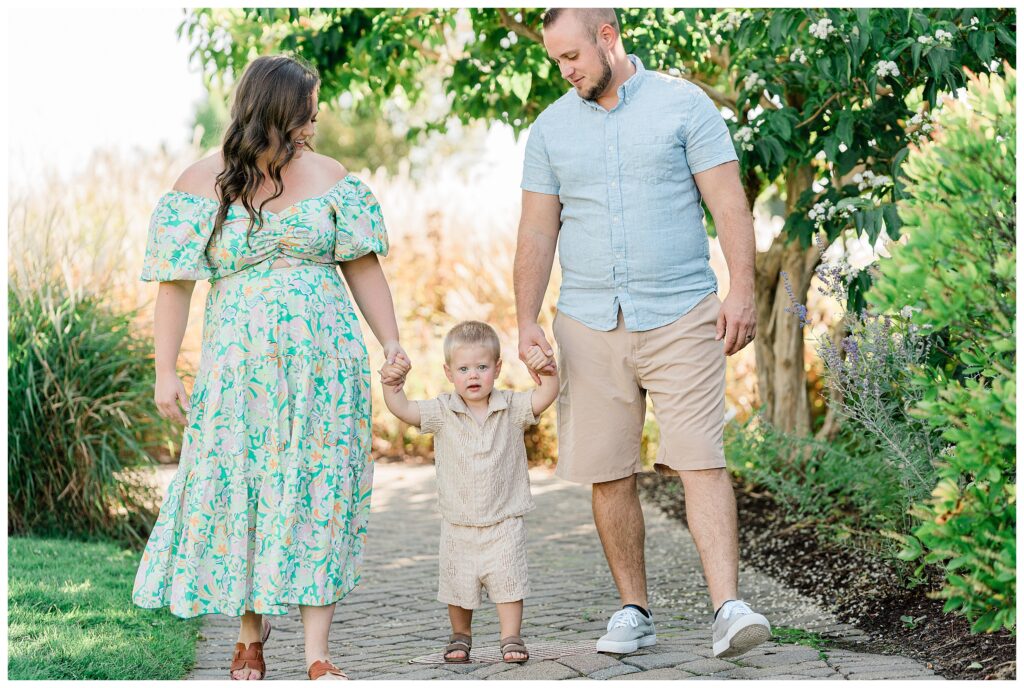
(179, 230)
(358, 221)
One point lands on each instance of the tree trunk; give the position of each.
(779, 346)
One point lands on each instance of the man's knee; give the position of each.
(614, 488)
(705, 475)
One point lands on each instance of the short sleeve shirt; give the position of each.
(482, 476)
(632, 230)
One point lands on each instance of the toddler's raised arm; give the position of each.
(547, 391)
(392, 382)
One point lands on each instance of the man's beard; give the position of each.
(602, 83)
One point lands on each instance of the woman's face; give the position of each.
(300, 136)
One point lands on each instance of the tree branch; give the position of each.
(824, 105)
(519, 28)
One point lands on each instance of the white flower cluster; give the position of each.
(733, 21)
(974, 24)
(822, 211)
(885, 68)
(744, 136)
(798, 56)
(509, 40)
(924, 124)
(753, 80)
(944, 38)
(822, 29)
(870, 180)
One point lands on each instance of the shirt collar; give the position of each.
(628, 88)
(496, 402)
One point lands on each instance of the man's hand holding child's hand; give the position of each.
(536, 360)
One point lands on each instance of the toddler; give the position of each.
(482, 481)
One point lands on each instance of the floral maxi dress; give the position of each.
(270, 503)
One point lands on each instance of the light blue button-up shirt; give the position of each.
(632, 228)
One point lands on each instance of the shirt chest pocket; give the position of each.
(654, 158)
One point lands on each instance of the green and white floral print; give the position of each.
(270, 503)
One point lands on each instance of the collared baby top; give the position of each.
(481, 467)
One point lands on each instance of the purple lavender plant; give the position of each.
(867, 372)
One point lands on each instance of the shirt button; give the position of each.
(616, 218)
(610, 147)
(614, 183)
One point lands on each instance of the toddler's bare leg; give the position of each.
(510, 618)
(462, 622)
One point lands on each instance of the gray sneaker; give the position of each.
(628, 631)
(738, 629)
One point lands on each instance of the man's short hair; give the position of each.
(472, 332)
(592, 18)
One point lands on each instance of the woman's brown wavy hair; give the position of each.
(276, 95)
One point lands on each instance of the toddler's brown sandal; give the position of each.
(321, 667)
(513, 643)
(458, 642)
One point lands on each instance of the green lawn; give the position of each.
(70, 616)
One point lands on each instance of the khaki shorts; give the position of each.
(474, 558)
(604, 380)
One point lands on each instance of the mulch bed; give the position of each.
(857, 588)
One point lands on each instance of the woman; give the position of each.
(270, 503)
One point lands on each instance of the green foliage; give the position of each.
(957, 273)
(851, 490)
(798, 636)
(81, 413)
(807, 101)
(71, 616)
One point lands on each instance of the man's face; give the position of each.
(580, 60)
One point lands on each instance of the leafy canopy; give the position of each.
(832, 92)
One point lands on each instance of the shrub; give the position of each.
(81, 413)
(956, 275)
(852, 491)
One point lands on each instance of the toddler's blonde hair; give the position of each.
(471, 332)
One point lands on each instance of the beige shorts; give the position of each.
(604, 380)
(474, 558)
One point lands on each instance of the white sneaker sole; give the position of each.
(626, 647)
(745, 635)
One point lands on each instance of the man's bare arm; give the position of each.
(722, 191)
(539, 224)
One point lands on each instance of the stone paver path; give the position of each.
(393, 616)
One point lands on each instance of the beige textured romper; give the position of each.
(483, 491)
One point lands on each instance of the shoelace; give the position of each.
(623, 618)
(737, 607)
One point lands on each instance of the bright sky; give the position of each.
(93, 78)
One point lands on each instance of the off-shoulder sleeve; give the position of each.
(179, 230)
(358, 221)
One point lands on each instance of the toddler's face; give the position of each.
(473, 371)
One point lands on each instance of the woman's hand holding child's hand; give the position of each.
(393, 374)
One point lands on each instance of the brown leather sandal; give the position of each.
(321, 667)
(250, 657)
(513, 643)
(458, 642)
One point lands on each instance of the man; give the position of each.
(614, 174)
